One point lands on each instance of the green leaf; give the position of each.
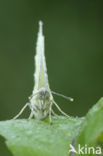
(91, 133)
(38, 138)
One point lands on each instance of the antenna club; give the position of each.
(71, 99)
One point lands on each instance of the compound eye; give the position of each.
(44, 94)
(47, 95)
(41, 94)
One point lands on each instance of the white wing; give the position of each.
(40, 75)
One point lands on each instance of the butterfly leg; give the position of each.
(54, 113)
(60, 109)
(30, 116)
(22, 110)
(50, 111)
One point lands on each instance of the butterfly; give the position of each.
(41, 100)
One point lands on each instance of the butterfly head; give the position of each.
(44, 94)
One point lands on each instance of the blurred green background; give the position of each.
(74, 52)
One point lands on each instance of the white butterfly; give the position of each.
(42, 99)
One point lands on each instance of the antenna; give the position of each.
(65, 97)
(30, 97)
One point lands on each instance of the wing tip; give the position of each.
(40, 27)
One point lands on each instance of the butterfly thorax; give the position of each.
(40, 103)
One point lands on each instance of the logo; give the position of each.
(85, 150)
